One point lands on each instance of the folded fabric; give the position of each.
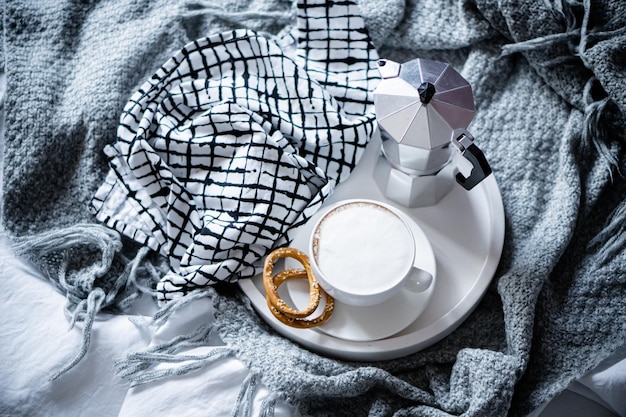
(231, 143)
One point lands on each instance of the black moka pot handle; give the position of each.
(480, 167)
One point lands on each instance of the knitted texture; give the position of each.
(543, 118)
(550, 90)
(59, 58)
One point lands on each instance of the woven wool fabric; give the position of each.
(549, 85)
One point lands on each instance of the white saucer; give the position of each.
(466, 232)
(363, 324)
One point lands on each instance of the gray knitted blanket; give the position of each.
(549, 80)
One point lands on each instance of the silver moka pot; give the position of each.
(423, 109)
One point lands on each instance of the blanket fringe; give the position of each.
(268, 406)
(573, 33)
(612, 238)
(577, 36)
(90, 290)
(243, 405)
(172, 306)
(142, 367)
(135, 366)
(93, 303)
(594, 126)
(169, 358)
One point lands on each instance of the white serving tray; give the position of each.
(466, 232)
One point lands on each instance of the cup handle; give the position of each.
(418, 280)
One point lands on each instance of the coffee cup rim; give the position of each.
(362, 298)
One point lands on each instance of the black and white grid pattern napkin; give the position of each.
(233, 142)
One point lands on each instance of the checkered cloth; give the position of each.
(233, 142)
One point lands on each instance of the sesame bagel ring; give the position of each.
(279, 308)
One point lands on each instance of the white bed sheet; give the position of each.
(35, 342)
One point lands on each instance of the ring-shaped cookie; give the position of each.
(271, 287)
(297, 322)
(278, 307)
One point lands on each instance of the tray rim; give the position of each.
(401, 344)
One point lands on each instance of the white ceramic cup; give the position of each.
(363, 252)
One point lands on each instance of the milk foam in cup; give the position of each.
(363, 253)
